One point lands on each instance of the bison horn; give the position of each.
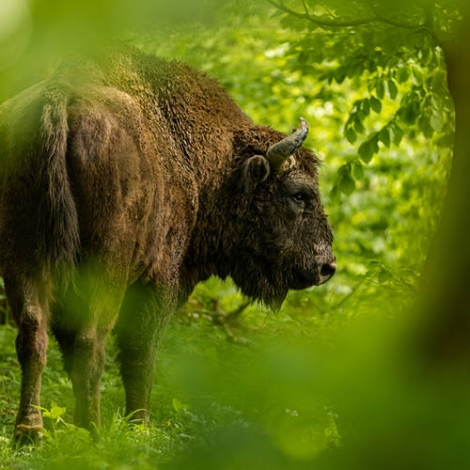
(278, 153)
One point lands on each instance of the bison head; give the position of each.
(280, 236)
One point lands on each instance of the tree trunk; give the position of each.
(445, 294)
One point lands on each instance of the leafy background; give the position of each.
(331, 380)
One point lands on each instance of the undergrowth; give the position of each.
(231, 390)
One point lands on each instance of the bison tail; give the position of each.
(58, 227)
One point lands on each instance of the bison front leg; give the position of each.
(140, 323)
(28, 302)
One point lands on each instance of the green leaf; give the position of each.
(347, 186)
(374, 141)
(357, 170)
(358, 126)
(417, 74)
(392, 89)
(375, 104)
(340, 74)
(384, 276)
(350, 135)
(384, 136)
(402, 74)
(178, 406)
(55, 412)
(398, 133)
(370, 66)
(410, 113)
(425, 126)
(366, 151)
(437, 121)
(380, 89)
(437, 116)
(354, 69)
(335, 193)
(438, 82)
(346, 183)
(365, 107)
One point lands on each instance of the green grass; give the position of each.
(250, 394)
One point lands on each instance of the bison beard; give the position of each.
(125, 181)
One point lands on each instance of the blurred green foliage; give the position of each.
(385, 166)
(329, 382)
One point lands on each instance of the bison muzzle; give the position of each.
(126, 180)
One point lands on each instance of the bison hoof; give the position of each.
(27, 434)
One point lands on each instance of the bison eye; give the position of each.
(299, 197)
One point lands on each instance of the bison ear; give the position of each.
(255, 170)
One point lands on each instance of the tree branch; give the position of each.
(320, 21)
(305, 7)
(337, 23)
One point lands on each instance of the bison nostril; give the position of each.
(327, 271)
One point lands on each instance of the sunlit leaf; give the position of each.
(178, 406)
(437, 120)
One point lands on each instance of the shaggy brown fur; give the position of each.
(125, 181)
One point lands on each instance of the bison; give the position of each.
(125, 180)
